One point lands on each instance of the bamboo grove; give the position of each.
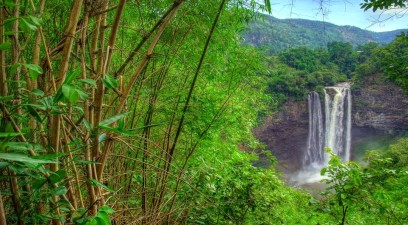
(106, 106)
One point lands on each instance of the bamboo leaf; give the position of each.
(268, 6)
(71, 75)
(34, 70)
(89, 81)
(57, 176)
(110, 82)
(22, 158)
(36, 21)
(18, 146)
(37, 92)
(97, 183)
(112, 119)
(9, 134)
(60, 190)
(27, 25)
(70, 93)
(34, 113)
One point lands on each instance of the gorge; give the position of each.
(379, 109)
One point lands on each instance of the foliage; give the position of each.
(394, 60)
(382, 4)
(106, 104)
(274, 35)
(376, 193)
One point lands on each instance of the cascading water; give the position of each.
(315, 143)
(336, 134)
(338, 120)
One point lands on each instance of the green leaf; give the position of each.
(89, 81)
(112, 119)
(70, 93)
(60, 190)
(18, 146)
(22, 158)
(106, 209)
(103, 218)
(323, 171)
(97, 183)
(36, 21)
(87, 124)
(8, 3)
(34, 70)
(14, 68)
(38, 183)
(37, 92)
(71, 75)
(26, 24)
(100, 221)
(81, 94)
(115, 130)
(57, 176)
(9, 134)
(93, 221)
(268, 6)
(5, 46)
(110, 82)
(34, 113)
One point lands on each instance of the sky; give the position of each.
(340, 12)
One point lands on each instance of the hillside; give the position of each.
(276, 34)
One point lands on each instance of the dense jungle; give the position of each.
(146, 112)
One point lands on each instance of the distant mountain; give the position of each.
(274, 34)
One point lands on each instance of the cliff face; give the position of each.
(380, 105)
(285, 134)
(378, 108)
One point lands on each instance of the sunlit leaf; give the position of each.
(22, 158)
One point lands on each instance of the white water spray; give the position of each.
(336, 134)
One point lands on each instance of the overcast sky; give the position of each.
(340, 12)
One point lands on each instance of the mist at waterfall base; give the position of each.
(329, 130)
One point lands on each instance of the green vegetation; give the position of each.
(138, 112)
(274, 35)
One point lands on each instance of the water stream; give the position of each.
(331, 131)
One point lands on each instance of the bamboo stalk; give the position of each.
(187, 102)
(2, 213)
(132, 81)
(3, 76)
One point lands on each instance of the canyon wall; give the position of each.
(378, 108)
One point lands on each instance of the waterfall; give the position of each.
(334, 132)
(338, 120)
(314, 153)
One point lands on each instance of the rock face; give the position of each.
(378, 107)
(285, 134)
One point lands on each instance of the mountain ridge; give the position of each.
(275, 34)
